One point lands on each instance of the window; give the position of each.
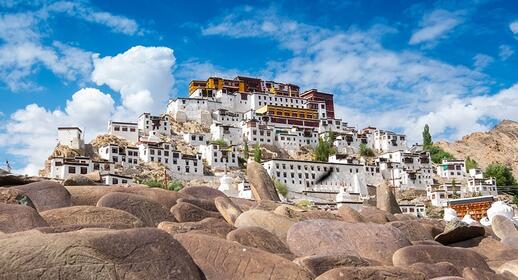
(115, 181)
(132, 129)
(71, 169)
(116, 128)
(124, 128)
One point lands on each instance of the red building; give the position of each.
(315, 95)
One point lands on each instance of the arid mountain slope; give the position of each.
(499, 145)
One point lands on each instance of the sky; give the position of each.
(396, 65)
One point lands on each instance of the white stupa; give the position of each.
(500, 208)
(468, 220)
(450, 214)
(225, 184)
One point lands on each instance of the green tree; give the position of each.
(258, 155)
(366, 151)
(220, 142)
(455, 194)
(471, 163)
(245, 150)
(427, 137)
(437, 154)
(324, 148)
(502, 174)
(175, 186)
(281, 187)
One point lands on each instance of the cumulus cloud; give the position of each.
(513, 26)
(31, 132)
(142, 75)
(436, 25)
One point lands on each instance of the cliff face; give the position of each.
(499, 145)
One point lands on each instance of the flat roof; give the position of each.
(69, 127)
(128, 123)
(116, 175)
(313, 161)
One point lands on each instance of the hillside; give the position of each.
(499, 145)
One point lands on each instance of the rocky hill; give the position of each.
(499, 145)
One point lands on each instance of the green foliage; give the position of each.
(471, 163)
(281, 188)
(304, 203)
(324, 148)
(366, 151)
(175, 186)
(241, 162)
(455, 194)
(427, 137)
(258, 154)
(152, 183)
(515, 199)
(222, 143)
(502, 174)
(437, 154)
(245, 150)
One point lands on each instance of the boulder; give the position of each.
(425, 242)
(350, 215)
(67, 228)
(330, 237)
(456, 231)
(473, 273)
(405, 217)
(221, 259)
(213, 226)
(413, 230)
(165, 197)
(15, 217)
(259, 238)
(150, 212)
(375, 215)
(143, 253)
(372, 273)
(448, 278)
(504, 228)
(227, 209)
(206, 204)
(432, 270)
(186, 212)
(202, 192)
(94, 176)
(89, 195)
(86, 215)
(493, 250)
(298, 214)
(244, 204)
(459, 257)
(509, 269)
(276, 224)
(8, 179)
(261, 184)
(267, 205)
(46, 195)
(386, 200)
(78, 180)
(15, 196)
(317, 265)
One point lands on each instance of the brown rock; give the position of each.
(509, 269)
(505, 229)
(386, 200)
(227, 209)
(150, 212)
(143, 253)
(413, 230)
(317, 265)
(405, 217)
(15, 217)
(459, 257)
(375, 215)
(221, 259)
(202, 192)
(330, 237)
(350, 215)
(457, 231)
(244, 204)
(78, 180)
(89, 195)
(186, 212)
(94, 176)
(206, 204)
(425, 242)
(432, 270)
(276, 224)
(213, 226)
(298, 214)
(448, 278)
(46, 195)
(259, 238)
(14, 196)
(473, 273)
(371, 273)
(86, 215)
(67, 228)
(261, 184)
(267, 205)
(493, 250)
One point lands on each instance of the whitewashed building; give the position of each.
(388, 141)
(407, 170)
(197, 139)
(161, 124)
(126, 156)
(124, 130)
(61, 167)
(193, 109)
(439, 195)
(452, 169)
(256, 133)
(71, 137)
(415, 209)
(165, 154)
(480, 187)
(218, 157)
(231, 134)
(116, 179)
(295, 138)
(226, 117)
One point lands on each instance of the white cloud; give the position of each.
(514, 27)
(481, 61)
(142, 75)
(436, 25)
(505, 52)
(31, 133)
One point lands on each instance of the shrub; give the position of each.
(175, 186)
(152, 183)
(503, 174)
(282, 189)
(366, 151)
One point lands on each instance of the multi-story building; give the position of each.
(126, 156)
(161, 124)
(439, 195)
(230, 134)
(193, 109)
(295, 138)
(388, 141)
(347, 142)
(452, 169)
(219, 157)
(256, 133)
(116, 179)
(71, 137)
(125, 130)
(407, 170)
(226, 117)
(278, 116)
(415, 209)
(197, 139)
(315, 95)
(160, 152)
(480, 187)
(61, 167)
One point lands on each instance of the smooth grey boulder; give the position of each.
(261, 183)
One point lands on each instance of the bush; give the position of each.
(502, 174)
(282, 189)
(324, 148)
(175, 186)
(304, 203)
(258, 154)
(366, 151)
(471, 163)
(437, 154)
(152, 183)
(220, 142)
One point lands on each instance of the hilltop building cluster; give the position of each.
(277, 116)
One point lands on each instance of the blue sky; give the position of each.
(394, 64)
